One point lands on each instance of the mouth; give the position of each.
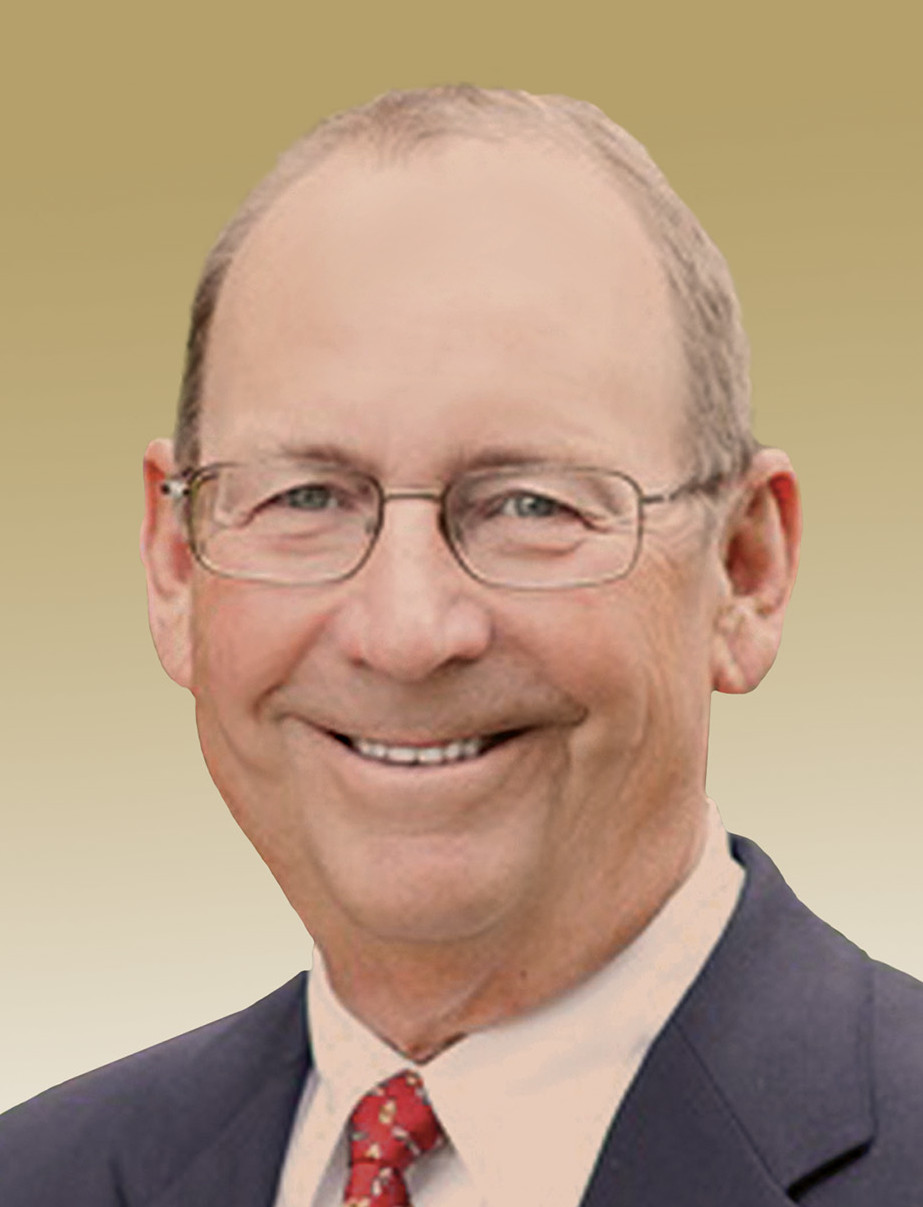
(457, 750)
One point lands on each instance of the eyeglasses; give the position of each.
(534, 527)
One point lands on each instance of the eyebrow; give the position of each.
(331, 454)
(498, 456)
(461, 461)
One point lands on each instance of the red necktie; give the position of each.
(390, 1127)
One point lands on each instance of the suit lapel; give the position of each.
(677, 1141)
(759, 1082)
(223, 1143)
(240, 1167)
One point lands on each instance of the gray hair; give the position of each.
(397, 124)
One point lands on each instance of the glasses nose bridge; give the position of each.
(413, 492)
(427, 494)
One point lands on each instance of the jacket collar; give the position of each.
(759, 1083)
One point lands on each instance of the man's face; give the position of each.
(479, 299)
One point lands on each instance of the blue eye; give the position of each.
(310, 497)
(523, 506)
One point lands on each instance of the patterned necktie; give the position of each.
(390, 1127)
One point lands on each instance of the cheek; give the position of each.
(598, 653)
(632, 655)
(677, 648)
(247, 638)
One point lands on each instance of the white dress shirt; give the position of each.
(525, 1104)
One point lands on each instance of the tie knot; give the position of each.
(390, 1127)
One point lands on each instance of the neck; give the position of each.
(422, 997)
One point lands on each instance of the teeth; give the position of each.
(429, 756)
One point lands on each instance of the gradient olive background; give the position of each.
(130, 907)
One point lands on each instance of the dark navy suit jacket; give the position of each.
(792, 1071)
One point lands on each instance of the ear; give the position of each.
(760, 544)
(168, 564)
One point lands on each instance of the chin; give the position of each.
(425, 904)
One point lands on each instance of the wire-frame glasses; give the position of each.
(540, 526)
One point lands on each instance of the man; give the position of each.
(462, 524)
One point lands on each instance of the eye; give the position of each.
(526, 505)
(311, 496)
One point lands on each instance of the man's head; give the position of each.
(417, 316)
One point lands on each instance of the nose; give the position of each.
(411, 609)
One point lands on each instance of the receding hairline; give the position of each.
(400, 126)
(346, 168)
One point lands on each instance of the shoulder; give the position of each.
(815, 978)
(819, 1046)
(148, 1112)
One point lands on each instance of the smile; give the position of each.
(457, 751)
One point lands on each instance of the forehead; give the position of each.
(472, 282)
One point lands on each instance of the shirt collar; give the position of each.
(564, 1064)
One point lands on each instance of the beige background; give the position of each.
(130, 908)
